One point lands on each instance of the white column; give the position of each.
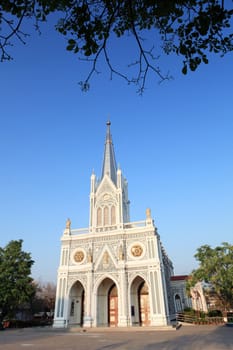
(60, 309)
(88, 317)
(123, 317)
(159, 315)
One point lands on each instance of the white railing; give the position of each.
(128, 225)
(135, 224)
(106, 228)
(80, 231)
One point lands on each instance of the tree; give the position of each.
(188, 28)
(44, 300)
(15, 281)
(216, 269)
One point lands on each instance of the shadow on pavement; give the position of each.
(219, 338)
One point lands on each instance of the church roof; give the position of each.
(109, 162)
(179, 278)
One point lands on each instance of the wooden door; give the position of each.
(113, 307)
(144, 306)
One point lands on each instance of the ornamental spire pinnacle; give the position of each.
(109, 162)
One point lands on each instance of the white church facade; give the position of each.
(115, 272)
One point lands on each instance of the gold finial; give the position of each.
(68, 224)
(148, 213)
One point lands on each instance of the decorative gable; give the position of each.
(106, 260)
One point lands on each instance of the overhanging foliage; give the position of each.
(190, 29)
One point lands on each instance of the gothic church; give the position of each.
(115, 273)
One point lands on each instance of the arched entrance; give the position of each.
(76, 304)
(178, 304)
(140, 306)
(107, 304)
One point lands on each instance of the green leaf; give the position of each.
(71, 42)
(184, 69)
(70, 47)
(205, 60)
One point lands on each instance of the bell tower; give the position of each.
(109, 204)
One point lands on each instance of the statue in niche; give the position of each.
(121, 253)
(106, 258)
(89, 256)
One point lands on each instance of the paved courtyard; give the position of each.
(185, 338)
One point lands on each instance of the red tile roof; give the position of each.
(179, 277)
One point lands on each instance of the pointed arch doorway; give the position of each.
(140, 305)
(107, 304)
(178, 303)
(76, 305)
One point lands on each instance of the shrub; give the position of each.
(215, 313)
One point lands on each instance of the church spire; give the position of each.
(109, 162)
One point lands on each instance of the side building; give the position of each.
(115, 272)
(180, 296)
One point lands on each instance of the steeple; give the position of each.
(109, 203)
(109, 162)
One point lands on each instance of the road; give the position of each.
(185, 338)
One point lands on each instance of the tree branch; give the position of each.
(14, 31)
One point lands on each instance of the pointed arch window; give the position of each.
(106, 216)
(113, 215)
(99, 217)
(178, 303)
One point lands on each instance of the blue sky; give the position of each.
(174, 145)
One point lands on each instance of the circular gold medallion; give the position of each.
(136, 250)
(79, 256)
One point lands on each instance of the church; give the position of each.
(115, 273)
